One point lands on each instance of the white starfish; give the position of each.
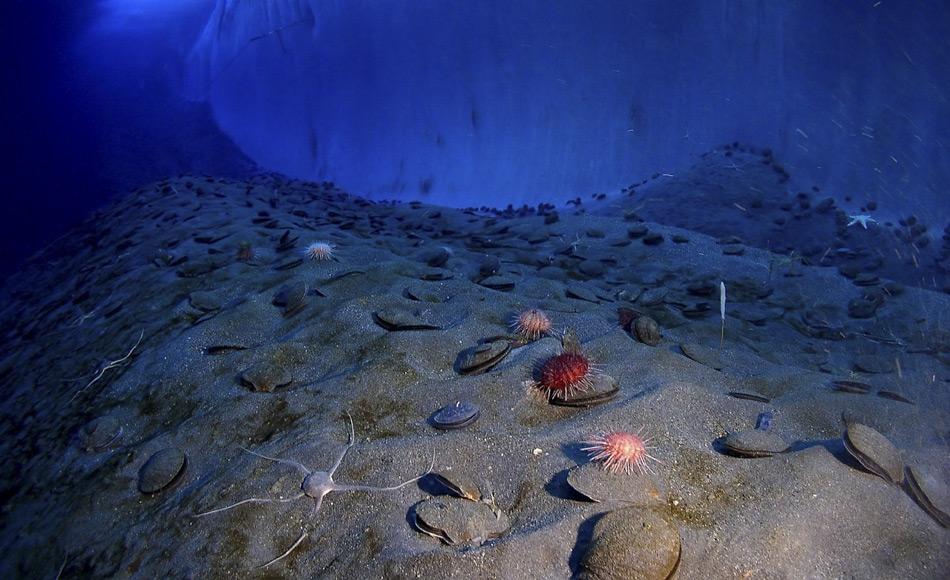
(862, 219)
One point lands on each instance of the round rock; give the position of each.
(161, 470)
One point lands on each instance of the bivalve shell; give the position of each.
(162, 469)
(647, 330)
(754, 443)
(632, 543)
(874, 451)
(597, 484)
(457, 521)
(99, 433)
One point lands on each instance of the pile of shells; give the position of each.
(465, 518)
(632, 543)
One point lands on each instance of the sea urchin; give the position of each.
(320, 251)
(532, 324)
(620, 451)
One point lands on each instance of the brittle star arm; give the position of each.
(303, 468)
(287, 553)
(251, 500)
(345, 487)
(349, 444)
(110, 365)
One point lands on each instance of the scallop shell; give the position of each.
(874, 451)
(632, 543)
(754, 443)
(162, 469)
(597, 484)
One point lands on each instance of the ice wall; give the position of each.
(494, 102)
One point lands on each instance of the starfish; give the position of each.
(862, 219)
(316, 485)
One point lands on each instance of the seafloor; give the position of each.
(187, 318)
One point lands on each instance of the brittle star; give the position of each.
(316, 485)
(111, 364)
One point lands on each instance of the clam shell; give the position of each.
(874, 451)
(502, 283)
(754, 443)
(597, 484)
(580, 292)
(916, 486)
(702, 355)
(395, 319)
(162, 469)
(99, 433)
(460, 484)
(647, 330)
(458, 521)
(292, 298)
(205, 301)
(455, 416)
(632, 543)
(603, 388)
(483, 357)
(851, 387)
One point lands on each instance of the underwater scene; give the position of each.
(605, 289)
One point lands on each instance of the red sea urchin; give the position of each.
(621, 451)
(564, 375)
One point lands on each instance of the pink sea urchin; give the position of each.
(320, 251)
(532, 324)
(620, 451)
